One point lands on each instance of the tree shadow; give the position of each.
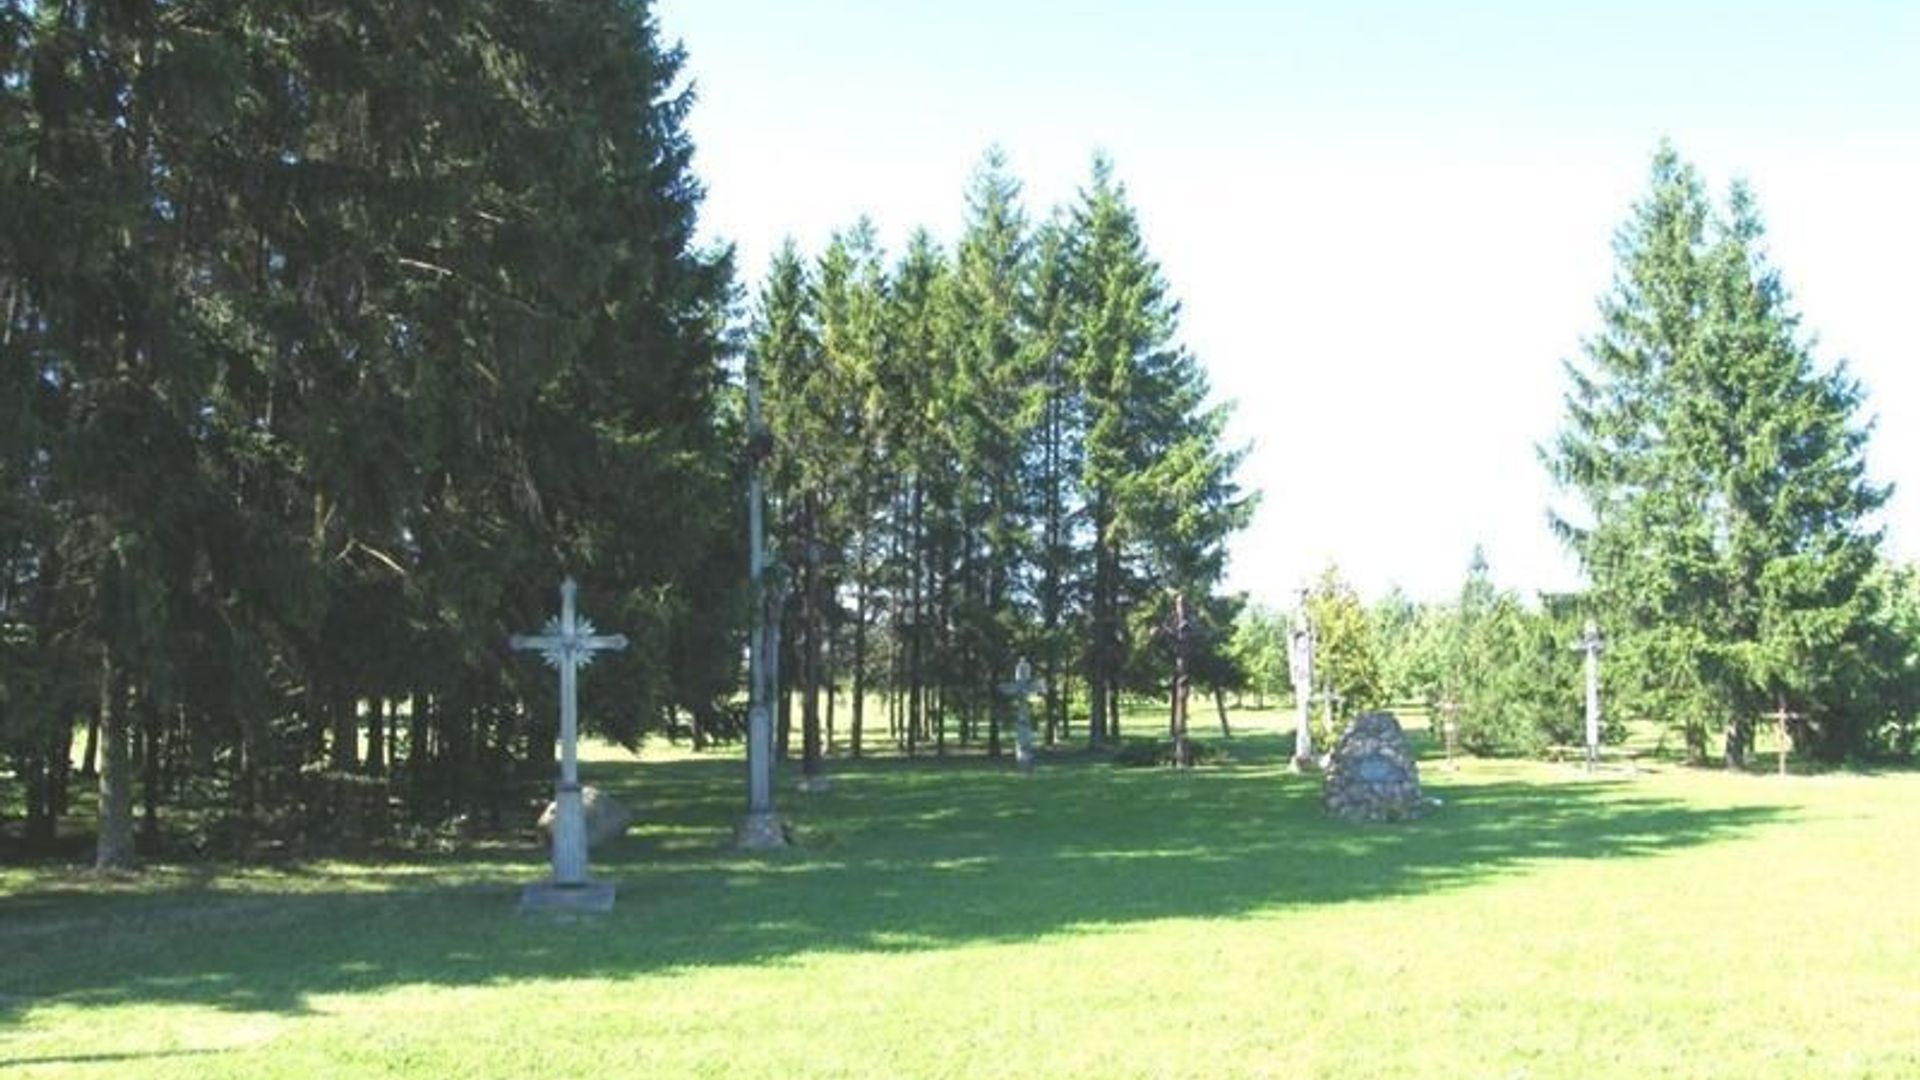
(101, 1059)
(899, 856)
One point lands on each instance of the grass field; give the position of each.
(955, 919)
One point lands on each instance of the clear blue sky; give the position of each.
(1388, 222)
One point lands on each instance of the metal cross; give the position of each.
(568, 643)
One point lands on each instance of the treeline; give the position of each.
(994, 451)
(1719, 504)
(330, 337)
(1507, 669)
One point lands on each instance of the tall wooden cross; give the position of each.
(1332, 698)
(1179, 627)
(761, 829)
(1782, 716)
(1449, 711)
(1302, 658)
(1022, 688)
(1591, 644)
(568, 643)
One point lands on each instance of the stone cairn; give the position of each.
(1372, 775)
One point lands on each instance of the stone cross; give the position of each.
(1021, 689)
(1591, 644)
(1302, 657)
(1781, 715)
(568, 643)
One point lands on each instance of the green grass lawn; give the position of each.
(956, 919)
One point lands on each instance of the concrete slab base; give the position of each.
(761, 832)
(592, 898)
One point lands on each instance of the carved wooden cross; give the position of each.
(1591, 644)
(1302, 672)
(1449, 711)
(1783, 716)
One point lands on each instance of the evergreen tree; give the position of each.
(343, 333)
(1156, 482)
(992, 415)
(1722, 476)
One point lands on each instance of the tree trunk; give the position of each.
(346, 733)
(377, 736)
(114, 850)
(1220, 703)
(859, 663)
(41, 822)
(812, 661)
(150, 754)
(1735, 754)
(1099, 671)
(1182, 747)
(60, 764)
(785, 671)
(90, 752)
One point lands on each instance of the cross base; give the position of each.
(588, 898)
(761, 832)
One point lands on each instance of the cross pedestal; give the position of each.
(568, 643)
(1021, 689)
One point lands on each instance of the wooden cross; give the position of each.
(1782, 716)
(1591, 644)
(1302, 671)
(1449, 711)
(568, 643)
(1333, 698)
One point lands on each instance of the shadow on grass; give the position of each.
(100, 1059)
(899, 856)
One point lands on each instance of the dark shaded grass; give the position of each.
(900, 855)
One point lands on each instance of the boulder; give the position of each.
(1372, 774)
(606, 818)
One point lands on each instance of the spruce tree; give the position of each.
(1156, 479)
(1724, 524)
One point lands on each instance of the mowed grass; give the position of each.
(955, 919)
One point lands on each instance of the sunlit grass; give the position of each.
(953, 918)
